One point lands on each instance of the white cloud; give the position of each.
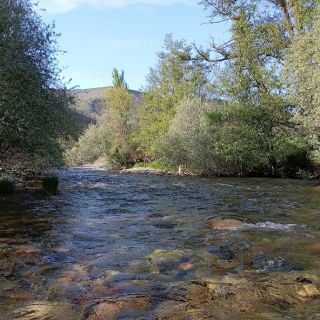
(60, 6)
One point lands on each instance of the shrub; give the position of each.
(50, 184)
(6, 185)
(188, 141)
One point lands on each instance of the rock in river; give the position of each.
(225, 224)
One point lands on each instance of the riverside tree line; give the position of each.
(249, 106)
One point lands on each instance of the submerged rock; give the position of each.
(110, 309)
(268, 263)
(186, 266)
(223, 252)
(65, 292)
(44, 310)
(244, 296)
(226, 224)
(162, 261)
(308, 291)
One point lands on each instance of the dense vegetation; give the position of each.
(249, 106)
(34, 105)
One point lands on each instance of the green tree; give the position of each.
(261, 32)
(118, 78)
(34, 111)
(256, 139)
(189, 141)
(174, 77)
(111, 139)
(121, 118)
(91, 146)
(254, 133)
(302, 75)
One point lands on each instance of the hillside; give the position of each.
(90, 102)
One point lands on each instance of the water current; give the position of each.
(112, 246)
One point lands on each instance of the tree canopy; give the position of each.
(249, 106)
(34, 104)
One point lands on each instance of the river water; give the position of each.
(112, 246)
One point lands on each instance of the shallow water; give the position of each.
(140, 247)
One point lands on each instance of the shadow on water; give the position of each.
(142, 247)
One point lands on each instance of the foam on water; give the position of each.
(270, 225)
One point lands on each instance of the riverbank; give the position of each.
(156, 172)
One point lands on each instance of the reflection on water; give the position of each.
(139, 247)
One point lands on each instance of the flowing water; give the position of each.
(112, 246)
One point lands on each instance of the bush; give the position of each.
(6, 185)
(50, 184)
(188, 141)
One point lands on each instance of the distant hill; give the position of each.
(90, 102)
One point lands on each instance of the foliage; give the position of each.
(174, 77)
(188, 141)
(254, 133)
(34, 111)
(256, 140)
(121, 118)
(249, 122)
(50, 184)
(292, 16)
(118, 78)
(112, 137)
(234, 140)
(6, 185)
(91, 146)
(302, 76)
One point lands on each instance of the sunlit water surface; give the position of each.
(114, 246)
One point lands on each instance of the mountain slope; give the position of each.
(90, 102)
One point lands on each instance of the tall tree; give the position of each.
(121, 118)
(174, 77)
(111, 138)
(34, 111)
(118, 78)
(251, 84)
(303, 81)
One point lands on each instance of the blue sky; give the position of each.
(99, 35)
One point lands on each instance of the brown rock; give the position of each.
(308, 291)
(314, 248)
(225, 224)
(186, 266)
(102, 290)
(44, 310)
(110, 310)
(107, 311)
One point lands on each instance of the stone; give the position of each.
(308, 291)
(163, 261)
(44, 310)
(186, 266)
(65, 292)
(106, 311)
(225, 224)
(110, 310)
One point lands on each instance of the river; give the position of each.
(112, 246)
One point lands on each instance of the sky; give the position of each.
(99, 35)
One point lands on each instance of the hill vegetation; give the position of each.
(265, 122)
(246, 107)
(91, 102)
